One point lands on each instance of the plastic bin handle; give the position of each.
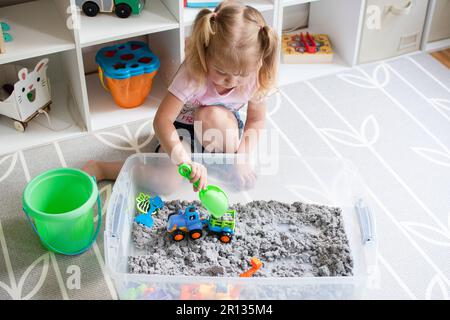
(99, 225)
(402, 11)
(366, 221)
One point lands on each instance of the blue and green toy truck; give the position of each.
(223, 226)
(188, 221)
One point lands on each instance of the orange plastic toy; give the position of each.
(256, 264)
(127, 71)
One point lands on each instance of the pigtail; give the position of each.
(196, 48)
(268, 71)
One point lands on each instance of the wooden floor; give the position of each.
(443, 56)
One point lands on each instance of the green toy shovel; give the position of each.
(213, 198)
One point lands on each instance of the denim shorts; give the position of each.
(186, 132)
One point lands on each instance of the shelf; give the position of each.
(37, 30)
(106, 27)
(105, 113)
(37, 133)
(437, 45)
(288, 3)
(291, 73)
(261, 5)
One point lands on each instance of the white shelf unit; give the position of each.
(341, 21)
(437, 9)
(37, 29)
(107, 27)
(40, 29)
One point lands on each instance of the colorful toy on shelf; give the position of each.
(306, 48)
(213, 198)
(122, 8)
(127, 71)
(256, 265)
(4, 36)
(188, 221)
(308, 42)
(200, 4)
(223, 226)
(148, 206)
(31, 93)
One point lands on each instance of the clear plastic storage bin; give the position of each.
(325, 181)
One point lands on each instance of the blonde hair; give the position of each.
(238, 35)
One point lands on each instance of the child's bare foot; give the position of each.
(93, 168)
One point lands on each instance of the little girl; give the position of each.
(231, 61)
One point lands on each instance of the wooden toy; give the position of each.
(28, 96)
(122, 8)
(306, 48)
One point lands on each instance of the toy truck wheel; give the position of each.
(178, 235)
(122, 10)
(20, 126)
(195, 234)
(225, 237)
(90, 9)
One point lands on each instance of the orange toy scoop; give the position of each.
(256, 264)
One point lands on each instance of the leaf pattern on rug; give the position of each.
(380, 78)
(437, 284)
(434, 156)
(12, 159)
(14, 290)
(442, 106)
(428, 233)
(368, 135)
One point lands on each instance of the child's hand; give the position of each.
(244, 176)
(198, 173)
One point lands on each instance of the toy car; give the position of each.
(223, 226)
(188, 221)
(122, 8)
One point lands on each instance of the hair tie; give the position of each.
(214, 15)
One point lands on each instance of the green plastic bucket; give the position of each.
(61, 204)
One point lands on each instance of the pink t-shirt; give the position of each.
(184, 89)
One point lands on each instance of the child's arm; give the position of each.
(256, 114)
(167, 135)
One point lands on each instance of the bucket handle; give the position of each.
(99, 224)
(100, 75)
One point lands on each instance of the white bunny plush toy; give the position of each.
(32, 91)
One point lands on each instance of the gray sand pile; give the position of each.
(292, 240)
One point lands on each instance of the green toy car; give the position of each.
(122, 8)
(223, 226)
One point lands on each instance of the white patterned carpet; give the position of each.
(391, 119)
